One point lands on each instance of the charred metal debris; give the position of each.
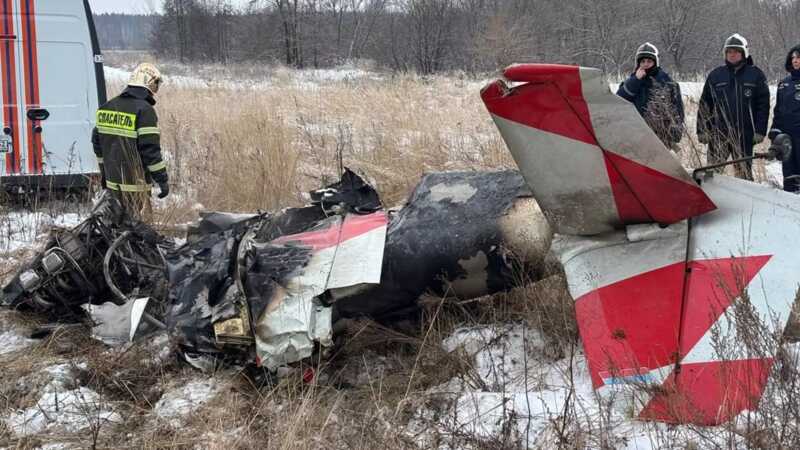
(269, 289)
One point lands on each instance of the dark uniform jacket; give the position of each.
(658, 100)
(126, 142)
(734, 105)
(786, 119)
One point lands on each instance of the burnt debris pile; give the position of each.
(268, 289)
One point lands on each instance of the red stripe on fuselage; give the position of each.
(31, 64)
(352, 226)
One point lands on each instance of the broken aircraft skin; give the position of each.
(277, 284)
(672, 274)
(267, 289)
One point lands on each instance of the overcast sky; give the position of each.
(133, 6)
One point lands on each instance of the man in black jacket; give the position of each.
(655, 95)
(126, 142)
(734, 107)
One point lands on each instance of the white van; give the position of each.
(51, 71)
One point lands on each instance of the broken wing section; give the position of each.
(341, 252)
(740, 292)
(591, 161)
(627, 287)
(689, 316)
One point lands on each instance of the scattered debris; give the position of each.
(268, 289)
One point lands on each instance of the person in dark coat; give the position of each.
(786, 118)
(127, 144)
(734, 107)
(655, 95)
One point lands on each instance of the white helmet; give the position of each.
(647, 50)
(738, 41)
(146, 75)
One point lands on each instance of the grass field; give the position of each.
(503, 372)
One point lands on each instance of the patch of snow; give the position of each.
(774, 174)
(301, 78)
(11, 341)
(500, 352)
(158, 345)
(64, 374)
(21, 229)
(690, 89)
(179, 402)
(71, 410)
(55, 446)
(527, 407)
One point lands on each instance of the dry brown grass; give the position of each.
(245, 150)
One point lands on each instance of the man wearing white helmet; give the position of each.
(734, 107)
(127, 143)
(655, 95)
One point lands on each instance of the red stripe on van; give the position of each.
(8, 66)
(31, 82)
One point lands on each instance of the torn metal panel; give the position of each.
(351, 190)
(255, 289)
(117, 324)
(200, 278)
(341, 252)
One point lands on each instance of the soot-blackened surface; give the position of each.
(451, 216)
(200, 274)
(270, 266)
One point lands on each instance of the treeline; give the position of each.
(474, 35)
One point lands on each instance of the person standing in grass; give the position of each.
(734, 107)
(656, 97)
(126, 142)
(786, 118)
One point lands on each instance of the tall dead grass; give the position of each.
(244, 150)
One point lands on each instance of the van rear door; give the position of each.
(52, 86)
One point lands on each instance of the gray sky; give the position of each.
(133, 6)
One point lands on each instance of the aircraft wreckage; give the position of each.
(269, 289)
(683, 283)
(665, 267)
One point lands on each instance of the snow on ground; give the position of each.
(302, 78)
(62, 407)
(690, 89)
(517, 393)
(514, 387)
(11, 341)
(21, 229)
(12, 335)
(313, 78)
(773, 171)
(178, 402)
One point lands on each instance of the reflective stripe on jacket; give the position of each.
(126, 142)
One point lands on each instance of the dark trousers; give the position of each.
(792, 166)
(137, 205)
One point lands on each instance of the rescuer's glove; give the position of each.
(164, 187)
